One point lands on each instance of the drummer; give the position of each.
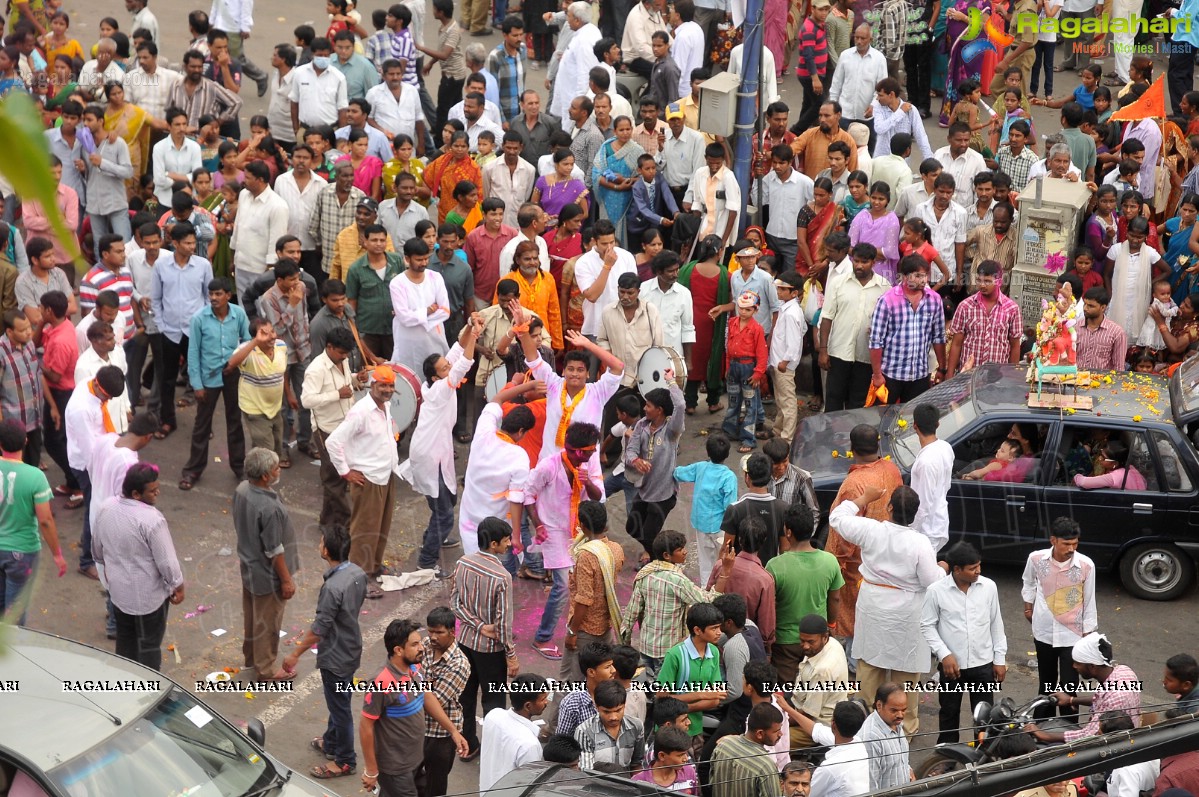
(629, 327)
(570, 398)
(673, 301)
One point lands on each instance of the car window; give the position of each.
(1001, 451)
(1080, 453)
(1141, 458)
(952, 398)
(1175, 472)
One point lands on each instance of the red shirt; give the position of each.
(61, 354)
(746, 339)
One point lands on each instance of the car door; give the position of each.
(998, 513)
(1109, 517)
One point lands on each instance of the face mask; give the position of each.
(320, 62)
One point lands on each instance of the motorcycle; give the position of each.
(998, 734)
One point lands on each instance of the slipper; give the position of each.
(164, 432)
(691, 410)
(523, 572)
(1113, 82)
(715, 408)
(464, 438)
(75, 501)
(762, 435)
(285, 463)
(548, 650)
(318, 744)
(185, 483)
(373, 593)
(470, 756)
(815, 405)
(744, 449)
(183, 403)
(326, 772)
(62, 491)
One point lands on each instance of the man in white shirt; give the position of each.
(477, 84)
(99, 71)
(328, 392)
(688, 47)
(681, 154)
(175, 157)
(476, 122)
(300, 190)
(673, 302)
(317, 90)
(932, 473)
(510, 177)
(363, 452)
(643, 21)
(571, 80)
(858, 71)
(357, 117)
(962, 162)
(102, 350)
(262, 219)
(786, 349)
(147, 86)
(963, 626)
(785, 192)
(770, 87)
(395, 106)
(844, 772)
(596, 273)
(892, 115)
(236, 17)
(946, 221)
(715, 195)
(510, 736)
(400, 214)
(283, 60)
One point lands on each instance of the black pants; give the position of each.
(167, 371)
(433, 774)
(905, 390)
(949, 715)
(488, 671)
(1055, 671)
(310, 261)
(647, 519)
(847, 384)
(139, 636)
(32, 455)
(56, 439)
(918, 64)
(235, 435)
(811, 105)
(402, 784)
(449, 94)
(1180, 74)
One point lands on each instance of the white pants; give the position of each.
(708, 547)
(1122, 42)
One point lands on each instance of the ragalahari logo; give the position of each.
(977, 25)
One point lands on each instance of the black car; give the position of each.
(543, 779)
(1151, 535)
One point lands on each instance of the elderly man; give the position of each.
(99, 71)
(644, 20)
(266, 549)
(811, 146)
(363, 451)
(898, 565)
(578, 59)
(858, 71)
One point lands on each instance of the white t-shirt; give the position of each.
(1050, 5)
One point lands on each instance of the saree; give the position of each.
(775, 32)
(555, 196)
(614, 205)
(712, 366)
(443, 174)
(1176, 155)
(820, 224)
(393, 168)
(1179, 258)
(131, 123)
(965, 61)
(468, 223)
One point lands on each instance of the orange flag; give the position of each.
(1152, 104)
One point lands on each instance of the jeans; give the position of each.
(449, 93)
(618, 483)
(115, 223)
(1044, 60)
(441, 523)
(56, 439)
(85, 539)
(741, 389)
(1078, 57)
(139, 636)
(555, 602)
(338, 740)
(16, 570)
(428, 109)
(135, 355)
(166, 372)
(499, 11)
(295, 373)
(533, 561)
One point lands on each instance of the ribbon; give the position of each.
(109, 426)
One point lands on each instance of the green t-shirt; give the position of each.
(802, 582)
(21, 488)
(696, 675)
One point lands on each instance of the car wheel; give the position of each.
(936, 765)
(1157, 571)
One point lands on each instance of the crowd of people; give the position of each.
(525, 263)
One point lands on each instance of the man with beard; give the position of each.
(1101, 342)
(392, 730)
(811, 145)
(986, 326)
(198, 96)
(336, 208)
(992, 242)
(629, 327)
(476, 122)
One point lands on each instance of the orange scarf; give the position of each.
(109, 426)
(576, 494)
(568, 410)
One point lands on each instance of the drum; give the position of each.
(652, 368)
(496, 382)
(405, 403)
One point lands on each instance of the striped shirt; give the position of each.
(261, 390)
(1102, 349)
(330, 217)
(101, 279)
(662, 594)
(396, 703)
(20, 383)
(988, 333)
(482, 595)
(742, 768)
(403, 49)
(290, 322)
(905, 334)
(446, 678)
(1119, 692)
(813, 50)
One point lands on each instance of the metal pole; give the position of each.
(747, 104)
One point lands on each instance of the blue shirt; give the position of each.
(377, 143)
(905, 334)
(360, 75)
(211, 344)
(177, 294)
(1085, 98)
(1189, 10)
(715, 490)
(492, 92)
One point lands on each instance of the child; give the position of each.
(622, 480)
(1105, 159)
(1084, 94)
(715, 490)
(1103, 103)
(1132, 205)
(1145, 363)
(1150, 338)
(1002, 183)
(1083, 264)
(486, 153)
(1102, 226)
(669, 712)
(304, 35)
(1127, 172)
(1013, 78)
(610, 737)
(1013, 110)
(670, 768)
(377, 48)
(966, 110)
(745, 366)
(1045, 46)
(915, 238)
(858, 198)
(1007, 454)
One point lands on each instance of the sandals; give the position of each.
(164, 432)
(691, 410)
(318, 744)
(326, 772)
(186, 483)
(523, 572)
(745, 449)
(285, 463)
(374, 593)
(715, 408)
(548, 650)
(75, 501)
(463, 438)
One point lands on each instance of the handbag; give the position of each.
(812, 302)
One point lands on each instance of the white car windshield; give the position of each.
(957, 409)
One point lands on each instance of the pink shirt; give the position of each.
(38, 224)
(1114, 480)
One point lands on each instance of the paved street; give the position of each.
(1144, 634)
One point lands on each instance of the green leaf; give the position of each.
(26, 164)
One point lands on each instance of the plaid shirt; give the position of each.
(329, 218)
(509, 71)
(446, 678)
(404, 49)
(662, 594)
(905, 334)
(576, 708)
(20, 383)
(1016, 166)
(987, 334)
(1102, 349)
(796, 485)
(378, 47)
(1119, 692)
(482, 595)
(290, 321)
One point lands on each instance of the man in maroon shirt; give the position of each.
(483, 246)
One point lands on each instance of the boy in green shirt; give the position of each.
(692, 667)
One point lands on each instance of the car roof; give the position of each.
(60, 724)
(1120, 394)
